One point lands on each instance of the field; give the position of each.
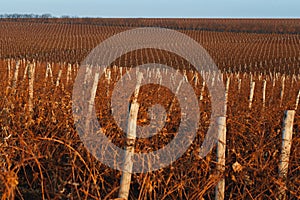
(42, 156)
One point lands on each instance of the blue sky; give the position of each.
(156, 8)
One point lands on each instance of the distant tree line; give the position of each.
(16, 15)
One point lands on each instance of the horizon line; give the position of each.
(160, 17)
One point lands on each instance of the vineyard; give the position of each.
(42, 156)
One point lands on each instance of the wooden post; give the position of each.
(251, 94)
(30, 88)
(239, 84)
(282, 90)
(297, 100)
(107, 73)
(196, 79)
(58, 77)
(264, 92)
(287, 135)
(88, 72)
(87, 75)
(15, 77)
(49, 72)
(69, 73)
(8, 70)
(92, 100)
(26, 71)
(221, 148)
(202, 91)
(8, 76)
(226, 94)
(131, 136)
(121, 74)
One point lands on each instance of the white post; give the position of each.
(92, 100)
(202, 91)
(58, 77)
(196, 79)
(221, 148)
(8, 70)
(239, 84)
(115, 68)
(25, 71)
(131, 136)
(30, 88)
(88, 73)
(49, 72)
(297, 100)
(282, 91)
(16, 73)
(8, 76)
(287, 135)
(121, 74)
(264, 92)
(185, 75)
(69, 73)
(107, 73)
(251, 94)
(226, 94)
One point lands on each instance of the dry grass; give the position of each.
(42, 157)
